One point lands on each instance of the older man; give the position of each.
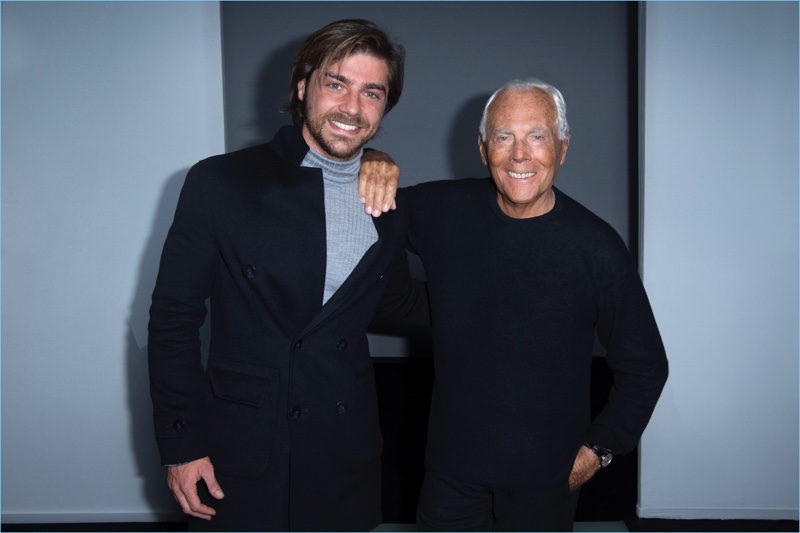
(521, 279)
(280, 431)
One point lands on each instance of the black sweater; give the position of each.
(516, 304)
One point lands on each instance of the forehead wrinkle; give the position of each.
(540, 131)
(511, 130)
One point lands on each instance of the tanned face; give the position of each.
(523, 151)
(344, 105)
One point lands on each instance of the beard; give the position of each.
(342, 147)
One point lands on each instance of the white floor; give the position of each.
(579, 526)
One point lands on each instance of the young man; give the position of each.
(280, 432)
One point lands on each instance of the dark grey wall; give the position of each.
(457, 53)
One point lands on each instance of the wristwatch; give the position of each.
(603, 454)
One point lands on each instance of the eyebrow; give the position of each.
(338, 77)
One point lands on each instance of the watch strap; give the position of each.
(603, 454)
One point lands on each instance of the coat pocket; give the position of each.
(241, 382)
(243, 407)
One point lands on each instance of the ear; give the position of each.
(482, 150)
(301, 89)
(564, 148)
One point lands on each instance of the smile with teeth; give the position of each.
(519, 176)
(346, 127)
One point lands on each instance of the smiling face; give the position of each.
(523, 151)
(344, 105)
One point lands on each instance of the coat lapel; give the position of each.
(367, 272)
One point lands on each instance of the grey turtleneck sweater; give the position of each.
(349, 230)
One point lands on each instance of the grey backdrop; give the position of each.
(457, 54)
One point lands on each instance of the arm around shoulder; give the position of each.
(377, 182)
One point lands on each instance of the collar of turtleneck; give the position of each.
(335, 171)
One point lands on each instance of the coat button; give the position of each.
(249, 271)
(341, 345)
(295, 412)
(298, 344)
(179, 426)
(341, 408)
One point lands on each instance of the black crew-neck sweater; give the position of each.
(515, 306)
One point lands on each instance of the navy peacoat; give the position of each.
(288, 392)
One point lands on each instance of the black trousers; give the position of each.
(447, 504)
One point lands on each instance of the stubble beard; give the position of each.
(335, 146)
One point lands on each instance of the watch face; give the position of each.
(605, 460)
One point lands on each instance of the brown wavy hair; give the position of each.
(335, 42)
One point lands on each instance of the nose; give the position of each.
(520, 151)
(351, 104)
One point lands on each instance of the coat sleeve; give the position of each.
(635, 354)
(404, 309)
(189, 262)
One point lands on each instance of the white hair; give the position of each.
(526, 84)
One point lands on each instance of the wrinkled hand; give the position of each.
(585, 466)
(183, 480)
(377, 182)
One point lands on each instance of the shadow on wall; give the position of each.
(465, 159)
(272, 92)
(144, 448)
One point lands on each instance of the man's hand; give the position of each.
(183, 482)
(585, 466)
(377, 182)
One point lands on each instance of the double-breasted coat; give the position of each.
(288, 393)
